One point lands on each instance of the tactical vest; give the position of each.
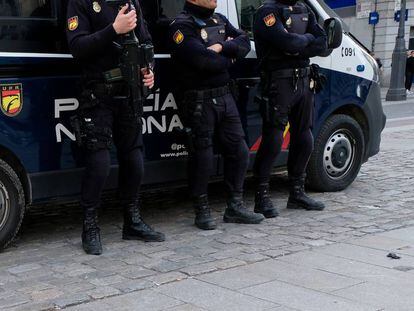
(212, 33)
(295, 19)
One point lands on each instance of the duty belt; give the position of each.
(289, 73)
(207, 93)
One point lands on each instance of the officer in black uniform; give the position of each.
(286, 36)
(203, 46)
(106, 114)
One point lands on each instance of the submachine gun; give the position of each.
(134, 57)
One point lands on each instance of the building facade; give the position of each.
(379, 38)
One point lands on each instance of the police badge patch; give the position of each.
(204, 34)
(178, 37)
(96, 7)
(73, 23)
(269, 20)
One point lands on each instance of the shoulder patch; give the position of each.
(73, 23)
(270, 20)
(178, 37)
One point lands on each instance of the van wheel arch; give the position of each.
(14, 162)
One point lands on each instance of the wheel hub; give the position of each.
(4, 205)
(339, 154)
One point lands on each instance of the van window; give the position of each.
(159, 14)
(25, 8)
(30, 26)
(246, 10)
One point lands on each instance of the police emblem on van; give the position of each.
(11, 99)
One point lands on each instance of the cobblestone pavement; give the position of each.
(46, 268)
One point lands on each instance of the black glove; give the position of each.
(318, 80)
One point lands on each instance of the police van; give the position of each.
(39, 91)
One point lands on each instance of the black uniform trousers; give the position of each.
(408, 79)
(296, 106)
(113, 121)
(216, 120)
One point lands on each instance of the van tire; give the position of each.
(337, 156)
(12, 204)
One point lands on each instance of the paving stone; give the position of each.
(348, 267)
(382, 296)
(147, 300)
(364, 254)
(303, 299)
(71, 299)
(212, 297)
(270, 270)
(24, 268)
(108, 280)
(167, 278)
(101, 292)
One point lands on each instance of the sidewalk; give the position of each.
(353, 275)
(384, 90)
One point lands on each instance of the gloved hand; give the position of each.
(318, 80)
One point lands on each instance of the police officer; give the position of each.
(286, 36)
(203, 46)
(106, 114)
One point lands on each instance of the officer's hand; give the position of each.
(216, 48)
(148, 77)
(124, 23)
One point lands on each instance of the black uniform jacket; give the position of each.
(276, 38)
(195, 66)
(91, 35)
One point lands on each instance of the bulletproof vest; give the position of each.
(295, 19)
(212, 32)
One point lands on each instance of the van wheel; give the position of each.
(12, 204)
(337, 156)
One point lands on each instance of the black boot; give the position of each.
(135, 228)
(91, 238)
(263, 203)
(236, 212)
(298, 199)
(203, 219)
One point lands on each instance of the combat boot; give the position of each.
(263, 203)
(203, 219)
(135, 228)
(236, 212)
(298, 199)
(91, 237)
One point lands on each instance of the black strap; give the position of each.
(207, 93)
(289, 73)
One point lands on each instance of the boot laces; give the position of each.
(145, 226)
(204, 211)
(93, 234)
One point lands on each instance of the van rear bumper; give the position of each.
(376, 120)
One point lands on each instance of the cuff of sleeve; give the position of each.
(229, 48)
(109, 32)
